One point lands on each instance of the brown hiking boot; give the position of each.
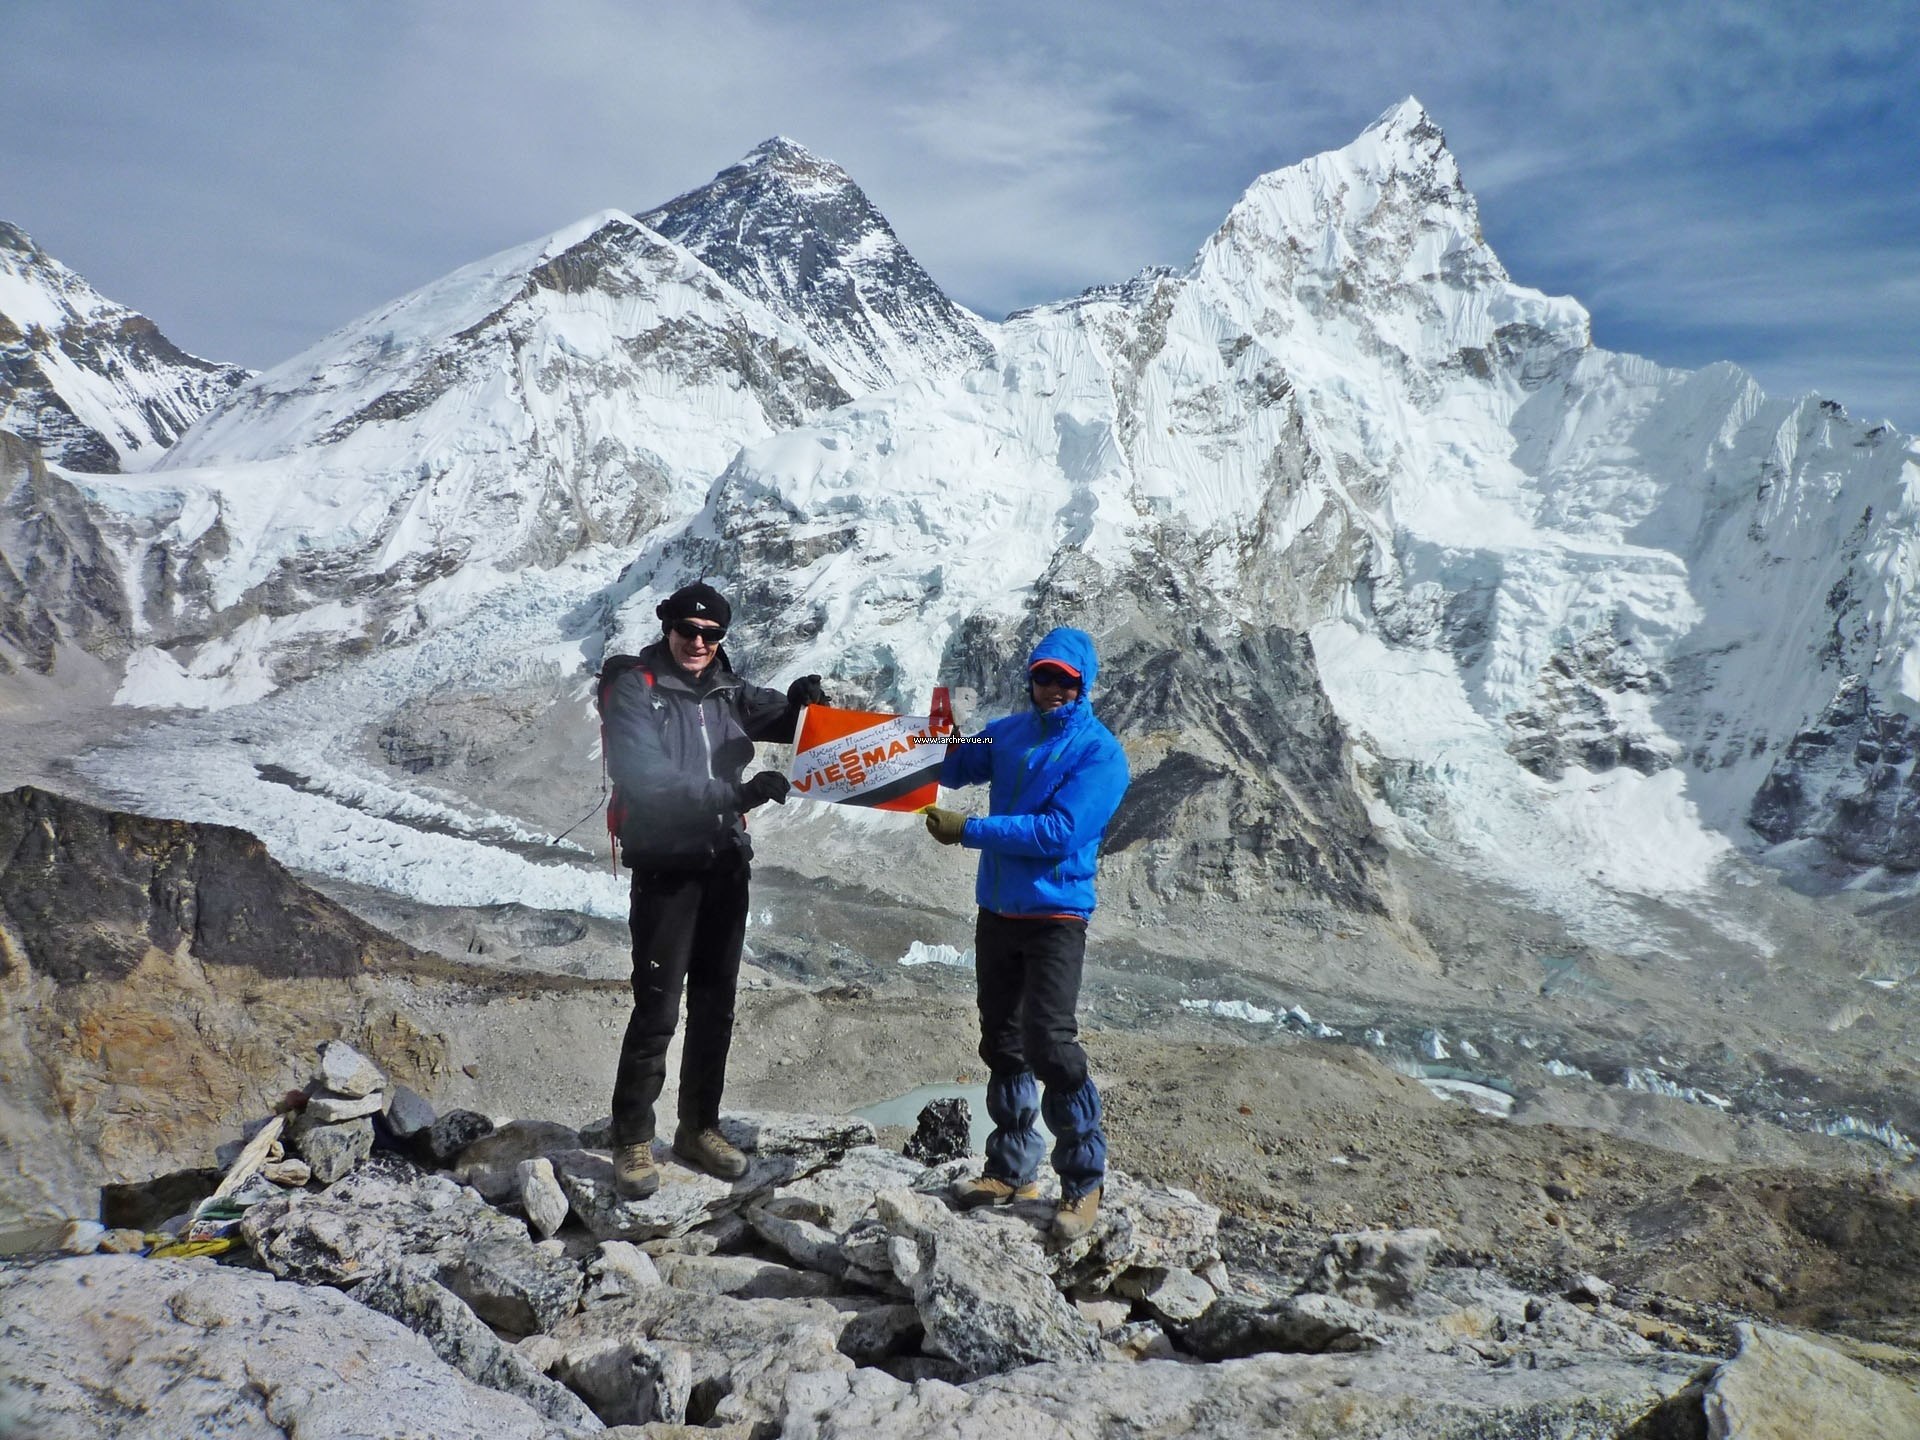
(991, 1190)
(710, 1151)
(1075, 1218)
(635, 1176)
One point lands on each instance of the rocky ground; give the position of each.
(365, 1266)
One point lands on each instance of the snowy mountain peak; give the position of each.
(795, 232)
(94, 385)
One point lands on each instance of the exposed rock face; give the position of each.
(93, 384)
(1780, 1387)
(1848, 780)
(169, 1348)
(794, 231)
(157, 978)
(58, 581)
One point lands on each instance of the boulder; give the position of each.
(139, 1347)
(442, 1141)
(409, 1293)
(743, 1352)
(744, 1277)
(1380, 1268)
(983, 1290)
(943, 1132)
(621, 1270)
(345, 1071)
(1780, 1387)
(1408, 1396)
(541, 1196)
(407, 1113)
(780, 1148)
(332, 1109)
(809, 1218)
(513, 1285)
(331, 1151)
(383, 1213)
(491, 1164)
(1173, 1295)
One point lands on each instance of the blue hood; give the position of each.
(1072, 648)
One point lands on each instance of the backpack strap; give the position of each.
(611, 669)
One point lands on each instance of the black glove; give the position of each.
(806, 691)
(767, 785)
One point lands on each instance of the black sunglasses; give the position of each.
(1053, 675)
(687, 630)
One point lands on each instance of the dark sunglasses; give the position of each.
(1056, 677)
(687, 630)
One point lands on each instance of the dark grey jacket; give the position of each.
(676, 745)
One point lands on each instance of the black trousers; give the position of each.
(687, 932)
(1027, 984)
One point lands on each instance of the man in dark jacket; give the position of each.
(1056, 776)
(679, 729)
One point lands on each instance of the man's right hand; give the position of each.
(767, 785)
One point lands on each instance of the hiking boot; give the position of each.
(710, 1151)
(1075, 1218)
(635, 1176)
(991, 1190)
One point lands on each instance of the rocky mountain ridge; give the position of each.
(1539, 583)
(93, 384)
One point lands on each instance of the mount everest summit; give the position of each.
(1384, 555)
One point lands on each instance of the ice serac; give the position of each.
(796, 233)
(94, 385)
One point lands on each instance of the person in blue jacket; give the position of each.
(1056, 776)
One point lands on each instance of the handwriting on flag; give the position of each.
(863, 757)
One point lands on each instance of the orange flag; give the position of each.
(862, 757)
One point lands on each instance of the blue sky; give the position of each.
(1713, 181)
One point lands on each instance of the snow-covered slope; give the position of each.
(94, 385)
(1591, 625)
(794, 231)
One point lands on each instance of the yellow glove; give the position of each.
(946, 826)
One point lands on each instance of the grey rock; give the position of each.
(780, 1148)
(289, 1173)
(620, 1271)
(743, 1352)
(384, 1212)
(1381, 1268)
(213, 1350)
(541, 1196)
(542, 1352)
(345, 1071)
(1141, 1225)
(744, 1277)
(809, 1218)
(598, 1134)
(443, 1140)
(331, 1151)
(491, 1164)
(984, 1291)
(1104, 1315)
(1590, 1289)
(333, 1109)
(1174, 1295)
(513, 1285)
(631, 1382)
(1781, 1387)
(407, 1113)
(409, 1293)
(1405, 1396)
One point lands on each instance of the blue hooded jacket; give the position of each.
(1055, 782)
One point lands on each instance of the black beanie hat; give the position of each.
(698, 601)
